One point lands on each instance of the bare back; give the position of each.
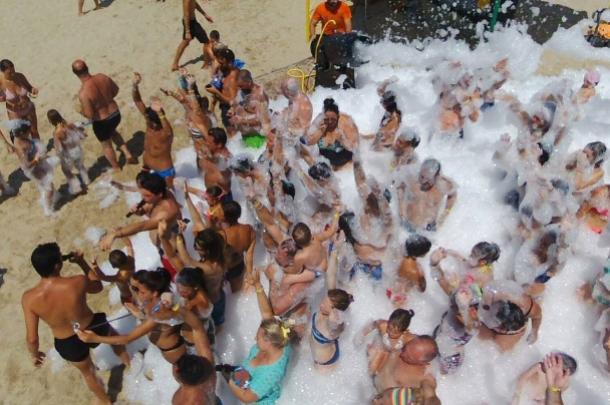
(60, 301)
(99, 92)
(239, 236)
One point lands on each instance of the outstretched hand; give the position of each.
(137, 78)
(38, 359)
(155, 104)
(556, 375)
(86, 336)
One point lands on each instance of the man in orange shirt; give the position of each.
(336, 11)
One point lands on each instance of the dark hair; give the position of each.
(320, 170)
(191, 277)
(388, 100)
(211, 244)
(231, 211)
(544, 243)
(215, 35)
(401, 318)
(344, 225)
(152, 118)
(331, 105)
(141, 176)
(55, 117)
(193, 370)
(219, 136)
(545, 153)
(290, 246)
(154, 183)
(155, 280)
(561, 185)
(340, 299)
(21, 130)
(226, 54)
(301, 235)
(417, 245)
(599, 152)
(485, 251)
(45, 258)
(288, 189)
(117, 258)
(569, 363)
(204, 102)
(80, 68)
(6, 64)
(214, 191)
(510, 315)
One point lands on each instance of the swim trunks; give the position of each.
(75, 350)
(218, 313)
(254, 140)
(337, 156)
(104, 129)
(236, 271)
(224, 114)
(171, 172)
(196, 30)
(375, 271)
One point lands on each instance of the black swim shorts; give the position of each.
(236, 271)
(197, 31)
(75, 350)
(104, 129)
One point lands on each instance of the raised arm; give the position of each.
(135, 93)
(263, 301)
(198, 222)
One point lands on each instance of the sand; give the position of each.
(42, 38)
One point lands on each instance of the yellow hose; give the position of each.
(300, 73)
(307, 19)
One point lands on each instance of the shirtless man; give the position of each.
(97, 104)
(191, 29)
(250, 109)
(420, 200)
(299, 112)
(532, 384)
(157, 204)
(158, 138)
(61, 302)
(213, 160)
(224, 87)
(409, 367)
(197, 380)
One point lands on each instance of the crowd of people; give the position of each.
(314, 246)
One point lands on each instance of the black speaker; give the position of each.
(328, 77)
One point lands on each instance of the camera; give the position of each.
(225, 368)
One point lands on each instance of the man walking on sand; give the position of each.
(191, 29)
(96, 95)
(61, 302)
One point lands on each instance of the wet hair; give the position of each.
(546, 240)
(214, 191)
(561, 185)
(599, 152)
(279, 333)
(301, 235)
(510, 316)
(331, 105)
(485, 251)
(431, 165)
(319, 171)
(417, 245)
(219, 136)
(45, 258)
(290, 246)
(154, 183)
(152, 118)
(244, 75)
(410, 136)
(193, 370)
(117, 259)
(401, 318)
(227, 54)
(545, 153)
(345, 226)
(6, 64)
(141, 176)
(191, 277)
(203, 101)
(231, 211)
(388, 100)
(288, 189)
(340, 299)
(157, 281)
(242, 164)
(215, 35)
(211, 244)
(55, 117)
(569, 363)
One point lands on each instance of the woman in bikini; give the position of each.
(390, 122)
(162, 319)
(327, 324)
(15, 91)
(190, 286)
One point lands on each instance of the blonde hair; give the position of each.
(279, 333)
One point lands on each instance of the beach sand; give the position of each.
(42, 38)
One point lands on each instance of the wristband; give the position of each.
(259, 290)
(552, 388)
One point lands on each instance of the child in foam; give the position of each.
(410, 273)
(67, 141)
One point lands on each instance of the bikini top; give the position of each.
(9, 95)
(195, 132)
(387, 342)
(317, 335)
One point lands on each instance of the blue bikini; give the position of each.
(323, 340)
